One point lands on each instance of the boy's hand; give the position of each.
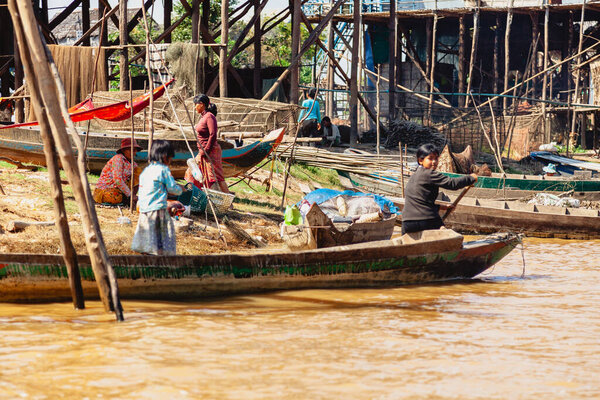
(175, 208)
(474, 176)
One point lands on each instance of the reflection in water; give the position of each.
(500, 336)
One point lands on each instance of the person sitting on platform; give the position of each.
(331, 133)
(420, 212)
(209, 156)
(155, 231)
(113, 186)
(310, 126)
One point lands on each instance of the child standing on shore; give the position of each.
(155, 232)
(420, 212)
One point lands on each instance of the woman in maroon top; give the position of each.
(206, 130)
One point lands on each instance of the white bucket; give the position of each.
(196, 173)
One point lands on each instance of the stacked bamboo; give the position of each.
(363, 164)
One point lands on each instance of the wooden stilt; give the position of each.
(54, 104)
(433, 62)
(223, 62)
(378, 107)
(132, 123)
(168, 8)
(195, 20)
(473, 51)
(535, 32)
(496, 55)
(257, 52)
(85, 19)
(150, 83)
(461, 54)
(295, 70)
(124, 59)
(545, 126)
(19, 103)
(357, 23)
(578, 70)
(400, 101)
(392, 45)
(509, 18)
(330, 70)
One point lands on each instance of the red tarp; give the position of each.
(114, 112)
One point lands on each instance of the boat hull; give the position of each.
(25, 145)
(43, 278)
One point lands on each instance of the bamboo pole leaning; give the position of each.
(52, 95)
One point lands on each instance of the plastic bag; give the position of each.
(292, 215)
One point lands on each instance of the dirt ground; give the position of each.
(27, 197)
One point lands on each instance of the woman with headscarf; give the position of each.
(113, 186)
(209, 156)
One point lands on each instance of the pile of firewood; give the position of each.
(412, 134)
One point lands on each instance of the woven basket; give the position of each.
(221, 201)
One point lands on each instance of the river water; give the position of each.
(502, 336)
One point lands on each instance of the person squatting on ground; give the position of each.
(113, 186)
(310, 126)
(420, 212)
(331, 133)
(155, 231)
(206, 130)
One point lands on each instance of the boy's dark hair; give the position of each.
(160, 150)
(325, 119)
(312, 93)
(426, 150)
(201, 98)
(212, 108)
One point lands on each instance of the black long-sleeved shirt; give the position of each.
(422, 190)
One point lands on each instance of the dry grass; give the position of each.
(28, 198)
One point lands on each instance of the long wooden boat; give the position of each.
(24, 144)
(427, 257)
(480, 216)
(320, 232)
(510, 187)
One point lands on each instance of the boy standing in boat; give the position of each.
(420, 212)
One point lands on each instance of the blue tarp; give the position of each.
(322, 195)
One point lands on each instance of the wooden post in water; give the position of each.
(577, 73)
(52, 94)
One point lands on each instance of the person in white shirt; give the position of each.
(331, 133)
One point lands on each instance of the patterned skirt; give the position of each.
(216, 155)
(155, 234)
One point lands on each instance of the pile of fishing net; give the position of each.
(412, 134)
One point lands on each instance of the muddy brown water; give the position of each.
(498, 337)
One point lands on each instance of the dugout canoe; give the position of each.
(24, 144)
(509, 186)
(429, 256)
(480, 216)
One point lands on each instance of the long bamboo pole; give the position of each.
(509, 19)
(60, 213)
(545, 126)
(577, 72)
(223, 63)
(53, 98)
(433, 61)
(473, 52)
(150, 82)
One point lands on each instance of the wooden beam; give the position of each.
(85, 20)
(433, 61)
(496, 60)
(330, 70)
(64, 14)
(168, 8)
(307, 43)
(19, 76)
(545, 126)
(195, 20)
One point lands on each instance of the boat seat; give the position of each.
(433, 241)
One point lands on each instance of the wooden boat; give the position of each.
(429, 256)
(566, 165)
(511, 186)
(320, 232)
(25, 145)
(480, 216)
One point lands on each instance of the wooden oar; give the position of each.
(455, 203)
